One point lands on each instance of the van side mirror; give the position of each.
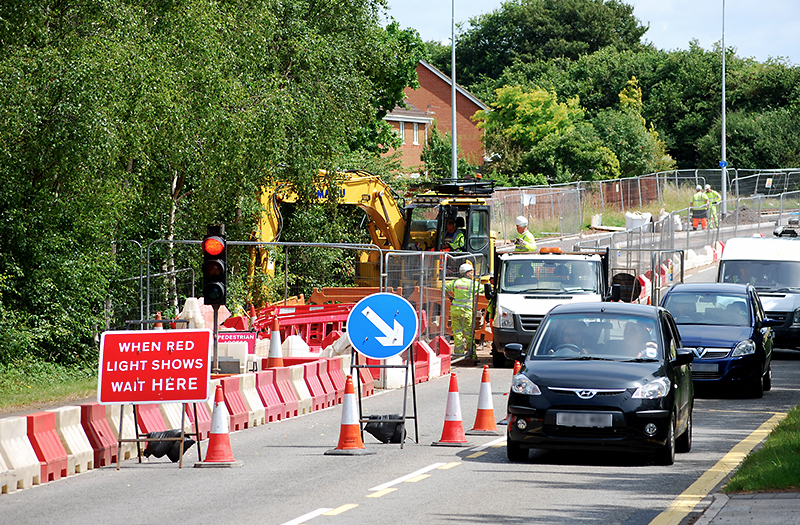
(616, 293)
(488, 291)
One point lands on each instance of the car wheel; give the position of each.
(768, 379)
(666, 454)
(515, 452)
(684, 442)
(756, 388)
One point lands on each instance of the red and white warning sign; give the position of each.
(154, 366)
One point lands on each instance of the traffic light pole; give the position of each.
(215, 362)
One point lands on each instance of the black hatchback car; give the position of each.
(603, 376)
(725, 326)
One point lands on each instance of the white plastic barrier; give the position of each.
(128, 449)
(5, 476)
(171, 412)
(393, 377)
(435, 361)
(212, 391)
(80, 455)
(304, 397)
(236, 350)
(23, 467)
(255, 408)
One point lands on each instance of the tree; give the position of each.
(437, 155)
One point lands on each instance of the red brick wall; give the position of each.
(410, 153)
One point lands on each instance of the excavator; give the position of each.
(417, 226)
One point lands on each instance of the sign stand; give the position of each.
(386, 325)
(140, 438)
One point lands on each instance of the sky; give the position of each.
(758, 29)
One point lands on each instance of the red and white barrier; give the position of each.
(80, 455)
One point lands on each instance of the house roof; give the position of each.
(433, 69)
(411, 113)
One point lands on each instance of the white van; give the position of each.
(772, 265)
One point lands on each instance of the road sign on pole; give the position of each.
(154, 366)
(382, 325)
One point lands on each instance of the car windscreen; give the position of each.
(708, 308)
(561, 276)
(764, 275)
(607, 336)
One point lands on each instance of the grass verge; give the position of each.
(776, 465)
(29, 385)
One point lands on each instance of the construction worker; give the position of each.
(454, 238)
(699, 207)
(525, 241)
(463, 292)
(714, 198)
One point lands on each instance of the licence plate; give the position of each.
(583, 419)
(705, 367)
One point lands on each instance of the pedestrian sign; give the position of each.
(723, 164)
(382, 325)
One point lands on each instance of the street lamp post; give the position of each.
(724, 162)
(453, 135)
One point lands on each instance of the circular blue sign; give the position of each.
(382, 325)
(723, 163)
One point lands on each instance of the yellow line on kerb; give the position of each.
(692, 496)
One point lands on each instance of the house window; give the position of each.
(403, 132)
(416, 134)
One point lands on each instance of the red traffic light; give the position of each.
(213, 245)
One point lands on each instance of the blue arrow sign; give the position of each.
(382, 325)
(722, 164)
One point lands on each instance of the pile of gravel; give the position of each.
(743, 215)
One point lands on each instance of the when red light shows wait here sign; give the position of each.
(154, 366)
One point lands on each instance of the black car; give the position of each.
(603, 376)
(726, 328)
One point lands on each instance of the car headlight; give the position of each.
(522, 385)
(744, 348)
(796, 317)
(654, 389)
(506, 318)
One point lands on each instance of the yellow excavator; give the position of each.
(417, 226)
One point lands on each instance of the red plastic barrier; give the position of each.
(422, 366)
(331, 338)
(150, 419)
(327, 382)
(283, 384)
(319, 397)
(367, 382)
(337, 377)
(47, 445)
(101, 437)
(274, 408)
(203, 425)
(235, 403)
(374, 372)
(443, 349)
(239, 323)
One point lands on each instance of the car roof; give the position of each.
(730, 288)
(641, 310)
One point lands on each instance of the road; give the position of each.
(287, 479)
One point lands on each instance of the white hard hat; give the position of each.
(699, 188)
(464, 268)
(521, 221)
(708, 186)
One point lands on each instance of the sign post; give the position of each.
(381, 326)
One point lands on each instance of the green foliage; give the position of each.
(437, 155)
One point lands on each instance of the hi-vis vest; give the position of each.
(464, 291)
(713, 197)
(699, 201)
(528, 242)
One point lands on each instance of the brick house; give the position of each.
(429, 103)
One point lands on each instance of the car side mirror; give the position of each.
(684, 357)
(770, 322)
(514, 351)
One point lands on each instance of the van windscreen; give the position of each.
(764, 275)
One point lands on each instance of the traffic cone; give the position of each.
(453, 432)
(219, 453)
(517, 366)
(350, 442)
(253, 317)
(275, 353)
(158, 326)
(484, 420)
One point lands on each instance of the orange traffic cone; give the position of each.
(517, 366)
(350, 442)
(219, 453)
(253, 317)
(453, 432)
(484, 420)
(275, 353)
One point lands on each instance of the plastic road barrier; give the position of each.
(47, 445)
(171, 412)
(319, 398)
(127, 449)
(80, 455)
(304, 397)
(20, 459)
(99, 433)
(203, 424)
(327, 381)
(235, 403)
(274, 408)
(444, 350)
(150, 419)
(338, 378)
(283, 384)
(255, 408)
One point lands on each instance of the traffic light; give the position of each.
(215, 266)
